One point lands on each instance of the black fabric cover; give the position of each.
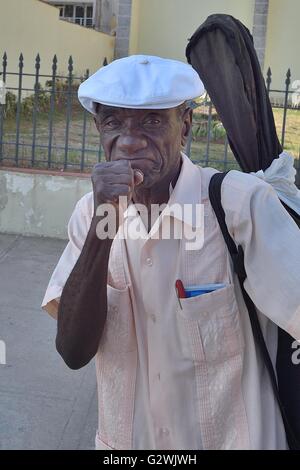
(222, 52)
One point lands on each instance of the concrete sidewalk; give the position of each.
(43, 404)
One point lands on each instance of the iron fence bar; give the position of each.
(52, 103)
(95, 150)
(278, 106)
(208, 133)
(189, 142)
(297, 167)
(225, 153)
(283, 91)
(84, 129)
(21, 65)
(99, 150)
(287, 83)
(35, 105)
(234, 162)
(2, 106)
(100, 144)
(43, 76)
(69, 104)
(53, 162)
(269, 80)
(44, 91)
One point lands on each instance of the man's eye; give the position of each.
(111, 124)
(152, 122)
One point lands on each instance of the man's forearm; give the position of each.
(83, 304)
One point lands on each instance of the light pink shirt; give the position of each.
(190, 378)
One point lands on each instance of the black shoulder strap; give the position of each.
(293, 214)
(237, 256)
(236, 253)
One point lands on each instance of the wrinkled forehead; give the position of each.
(103, 111)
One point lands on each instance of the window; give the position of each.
(89, 12)
(77, 13)
(69, 11)
(89, 16)
(79, 16)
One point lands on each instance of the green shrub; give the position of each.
(42, 100)
(62, 91)
(200, 131)
(218, 131)
(10, 104)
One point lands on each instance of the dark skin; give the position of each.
(133, 139)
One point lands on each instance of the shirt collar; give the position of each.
(187, 192)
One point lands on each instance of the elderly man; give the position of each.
(172, 373)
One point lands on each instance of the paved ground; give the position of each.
(43, 404)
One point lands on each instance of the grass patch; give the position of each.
(292, 130)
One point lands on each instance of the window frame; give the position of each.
(86, 21)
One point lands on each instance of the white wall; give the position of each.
(33, 203)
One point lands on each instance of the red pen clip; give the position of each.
(180, 292)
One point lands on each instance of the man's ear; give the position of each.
(187, 119)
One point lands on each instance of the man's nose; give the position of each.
(130, 144)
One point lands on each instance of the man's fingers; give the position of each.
(112, 180)
(118, 179)
(120, 190)
(138, 177)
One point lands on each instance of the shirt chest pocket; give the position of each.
(209, 326)
(119, 331)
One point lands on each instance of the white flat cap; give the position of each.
(141, 81)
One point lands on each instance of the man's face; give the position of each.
(150, 139)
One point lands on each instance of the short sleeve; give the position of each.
(271, 242)
(78, 228)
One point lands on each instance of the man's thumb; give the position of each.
(138, 177)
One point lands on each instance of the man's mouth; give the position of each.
(136, 159)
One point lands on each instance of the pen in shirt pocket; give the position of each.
(195, 291)
(180, 291)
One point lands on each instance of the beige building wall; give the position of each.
(282, 46)
(162, 27)
(134, 27)
(31, 27)
(72, 2)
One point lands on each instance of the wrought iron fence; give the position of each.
(283, 101)
(42, 124)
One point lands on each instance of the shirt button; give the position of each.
(115, 309)
(149, 261)
(158, 376)
(153, 317)
(165, 431)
